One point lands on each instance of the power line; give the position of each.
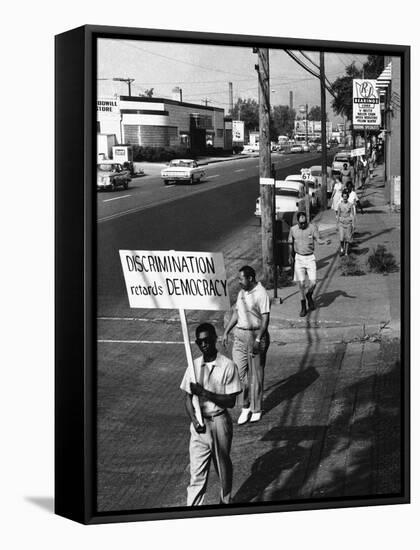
(309, 59)
(176, 59)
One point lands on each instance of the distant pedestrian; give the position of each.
(217, 386)
(345, 222)
(250, 318)
(371, 166)
(302, 239)
(336, 193)
(346, 173)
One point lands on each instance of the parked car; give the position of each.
(251, 148)
(341, 158)
(288, 197)
(111, 175)
(313, 187)
(296, 149)
(305, 148)
(186, 170)
(316, 172)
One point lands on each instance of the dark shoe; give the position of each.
(311, 304)
(303, 311)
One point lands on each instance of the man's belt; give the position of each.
(211, 416)
(244, 328)
(309, 254)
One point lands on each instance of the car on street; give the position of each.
(296, 149)
(341, 158)
(288, 198)
(305, 148)
(251, 148)
(316, 172)
(319, 148)
(313, 187)
(111, 175)
(182, 170)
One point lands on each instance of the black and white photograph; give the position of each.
(249, 275)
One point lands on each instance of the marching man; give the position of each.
(217, 386)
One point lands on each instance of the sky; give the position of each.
(204, 71)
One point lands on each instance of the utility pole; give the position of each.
(266, 181)
(128, 80)
(324, 200)
(306, 124)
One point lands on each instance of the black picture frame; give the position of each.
(75, 274)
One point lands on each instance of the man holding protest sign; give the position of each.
(215, 380)
(250, 317)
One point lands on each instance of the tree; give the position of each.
(343, 86)
(282, 121)
(247, 110)
(315, 113)
(147, 93)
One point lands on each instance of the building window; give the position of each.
(184, 139)
(219, 132)
(98, 127)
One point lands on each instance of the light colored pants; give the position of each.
(250, 367)
(214, 444)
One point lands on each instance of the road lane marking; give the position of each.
(240, 170)
(154, 342)
(215, 176)
(149, 320)
(116, 198)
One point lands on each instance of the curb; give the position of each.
(345, 333)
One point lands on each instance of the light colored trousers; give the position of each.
(214, 444)
(250, 367)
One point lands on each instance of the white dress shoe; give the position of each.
(256, 416)
(244, 416)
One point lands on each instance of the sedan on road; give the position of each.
(185, 170)
(296, 149)
(312, 186)
(288, 196)
(111, 175)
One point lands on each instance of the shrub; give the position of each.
(350, 266)
(382, 261)
(158, 154)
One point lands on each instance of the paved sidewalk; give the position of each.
(349, 306)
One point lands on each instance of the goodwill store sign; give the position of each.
(175, 280)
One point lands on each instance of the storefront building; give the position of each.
(160, 122)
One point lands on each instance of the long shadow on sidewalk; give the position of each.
(326, 299)
(370, 442)
(289, 387)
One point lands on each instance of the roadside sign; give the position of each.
(238, 131)
(175, 280)
(306, 173)
(166, 279)
(358, 152)
(366, 107)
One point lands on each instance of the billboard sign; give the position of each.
(238, 131)
(366, 106)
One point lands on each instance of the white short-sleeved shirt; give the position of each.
(220, 376)
(353, 198)
(251, 306)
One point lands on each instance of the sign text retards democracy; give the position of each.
(177, 286)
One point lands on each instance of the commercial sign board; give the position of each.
(366, 106)
(167, 279)
(107, 106)
(238, 131)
